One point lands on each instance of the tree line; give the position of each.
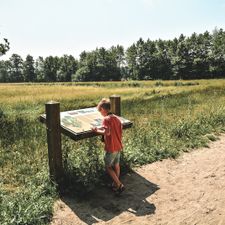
(196, 57)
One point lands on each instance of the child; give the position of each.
(112, 131)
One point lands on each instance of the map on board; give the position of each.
(82, 120)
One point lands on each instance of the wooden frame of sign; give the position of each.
(77, 124)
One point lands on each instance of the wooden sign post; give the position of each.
(115, 105)
(54, 140)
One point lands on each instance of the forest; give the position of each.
(199, 56)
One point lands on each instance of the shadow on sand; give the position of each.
(102, 204)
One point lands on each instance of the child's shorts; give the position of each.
(111, 158)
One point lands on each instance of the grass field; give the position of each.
(169, 117)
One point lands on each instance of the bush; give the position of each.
(31, 204)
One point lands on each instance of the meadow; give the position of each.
(169, 117)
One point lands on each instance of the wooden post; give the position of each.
(54, 140)
(115, 105)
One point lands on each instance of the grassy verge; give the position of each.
(169, 118)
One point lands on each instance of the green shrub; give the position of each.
(30, 204)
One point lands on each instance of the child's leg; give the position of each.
(110, 159)
(117, 169)
(117, 164)
(113, 175)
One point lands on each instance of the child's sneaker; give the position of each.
(120, 189)
(113, 187)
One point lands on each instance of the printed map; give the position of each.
(83, 120)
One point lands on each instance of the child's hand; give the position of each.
(95, 129)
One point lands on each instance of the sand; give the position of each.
(188, 190)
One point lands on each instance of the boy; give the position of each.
(112, 132)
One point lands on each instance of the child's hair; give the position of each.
(105, 104)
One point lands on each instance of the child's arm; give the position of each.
(102, 131)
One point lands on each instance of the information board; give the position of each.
(78, 124)
(83, 120)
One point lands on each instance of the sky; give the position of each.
(58, 27)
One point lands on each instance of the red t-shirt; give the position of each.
(113, 141)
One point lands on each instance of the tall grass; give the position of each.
(169, 117)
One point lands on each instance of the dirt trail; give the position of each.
(189, 190)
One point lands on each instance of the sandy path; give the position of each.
(189, 190)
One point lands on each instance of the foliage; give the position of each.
(169, 117)
(31, 204)
(200, 56)
(4, 47)
(29, 70)
(101, 65)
